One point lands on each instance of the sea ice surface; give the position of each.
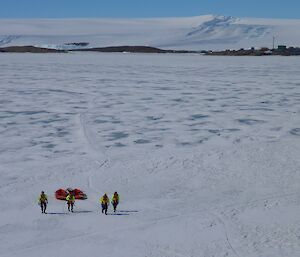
(204, 152)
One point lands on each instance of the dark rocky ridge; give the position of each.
(28, 49)
(130, 49)
(111, 49)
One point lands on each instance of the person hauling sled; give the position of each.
(104, 203)
(70, 201)
(43, 201)
(115, 200)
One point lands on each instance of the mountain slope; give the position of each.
(193, 33)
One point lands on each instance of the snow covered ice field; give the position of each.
(204, 152)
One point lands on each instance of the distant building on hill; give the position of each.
(281, 47)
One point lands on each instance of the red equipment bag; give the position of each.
(61, 194)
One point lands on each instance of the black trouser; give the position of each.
(115, 204)
(104, 207)
(70, 204)
(43, 207)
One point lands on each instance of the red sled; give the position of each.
(61, 194)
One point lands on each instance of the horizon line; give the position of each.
(142, 17)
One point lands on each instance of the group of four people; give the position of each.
(70, 199)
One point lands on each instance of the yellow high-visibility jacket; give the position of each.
(43, 198)
(70, 198)
(115, 198)
(104, 200)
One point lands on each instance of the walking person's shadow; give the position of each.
(123, 212)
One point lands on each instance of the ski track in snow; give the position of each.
(203, 154)
(92, 150)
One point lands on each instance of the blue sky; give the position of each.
(147, 8)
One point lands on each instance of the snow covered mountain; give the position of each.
(192, 33)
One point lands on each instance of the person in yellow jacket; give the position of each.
(104, 203)
(115, 200)
(43, 201)
(70, 201)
